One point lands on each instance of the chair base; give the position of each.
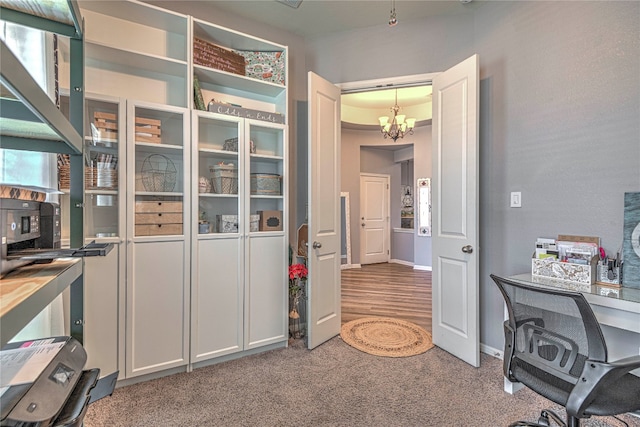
(544, 421)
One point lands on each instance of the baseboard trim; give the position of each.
(400, 261)
(491, 351)
(422, 267)
(349, 266)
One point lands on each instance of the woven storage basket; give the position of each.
(266, 184)
(104, 178)
(64, 177)
(224, 179)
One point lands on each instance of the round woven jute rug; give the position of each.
(382, 336)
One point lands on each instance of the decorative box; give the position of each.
(254, 223)
(584, 274)
(270, 220)
(224, 179)
(266, 184)
(227, 223)
(230, 144)
(267, 66)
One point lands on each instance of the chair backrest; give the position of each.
(552, 329)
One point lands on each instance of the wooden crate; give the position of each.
(148, 130)
(158, 229)
(106, 124)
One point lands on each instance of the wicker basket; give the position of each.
(224, 179)
(64, 177)
(266, 184)
(100, 178)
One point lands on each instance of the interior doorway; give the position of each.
(369, 137)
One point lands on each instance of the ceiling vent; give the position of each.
(291, 3)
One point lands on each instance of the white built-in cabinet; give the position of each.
(238, 292)
(172, 293)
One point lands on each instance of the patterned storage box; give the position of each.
(227, 223)
(266, 184)
(267, 66)
(582, 274)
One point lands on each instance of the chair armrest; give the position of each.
(596, 376)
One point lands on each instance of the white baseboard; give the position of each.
(422, 267)
(349, 266)
(491, 351)
(399, 261)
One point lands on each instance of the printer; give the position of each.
(42, 383)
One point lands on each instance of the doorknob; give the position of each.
(317, 245)
(467, 249)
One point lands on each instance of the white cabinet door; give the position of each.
(217, 299)
(157, 304)
(265, 291)
(101, 311)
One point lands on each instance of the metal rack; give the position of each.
(30, 120)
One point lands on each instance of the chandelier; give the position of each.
(398, 126)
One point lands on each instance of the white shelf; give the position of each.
(238, 85)
(131, 59)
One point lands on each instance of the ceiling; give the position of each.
(364, 108)
(319, 17)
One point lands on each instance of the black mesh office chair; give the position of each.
(554, 346)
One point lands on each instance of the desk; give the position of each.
(26, 291)
(615, 307)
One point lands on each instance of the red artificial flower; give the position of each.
(298, 271)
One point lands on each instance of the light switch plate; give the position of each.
(516, 199)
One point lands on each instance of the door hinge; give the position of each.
(387, 186)
(387, 251)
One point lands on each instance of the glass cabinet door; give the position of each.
(103, 154)
(219, 140)
(157, 169)
(266, 176)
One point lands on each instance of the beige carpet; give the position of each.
(383, 336)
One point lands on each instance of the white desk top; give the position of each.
(617, 307)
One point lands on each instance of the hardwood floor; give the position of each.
(390, 290)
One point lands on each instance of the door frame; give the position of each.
(387, 202)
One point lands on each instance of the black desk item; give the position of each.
(44, 384)
(554, 346)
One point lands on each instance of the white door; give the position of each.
(374, 218)
(455, 211)
(324, 211)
